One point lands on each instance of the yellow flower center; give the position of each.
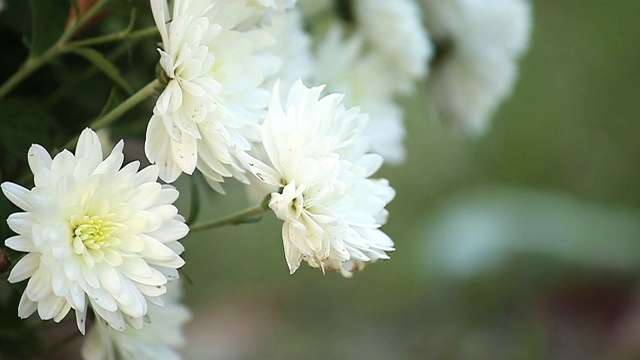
(91, 233)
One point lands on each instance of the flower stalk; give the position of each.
(149, 89)
(30, 65)
(248, 215)
(33, 63)
(125, 34)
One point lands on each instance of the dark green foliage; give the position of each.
(23, 121)
(48, 19)
(105, 66)
(16, 337)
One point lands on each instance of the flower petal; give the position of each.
(25, 268)
(20, 243)
(17, 195)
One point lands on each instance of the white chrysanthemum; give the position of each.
(293, 49)
(158, 339)
(395, 28)
(331, 209)
(478, 45)
(214, 57)
(96, 234)
(366, 81)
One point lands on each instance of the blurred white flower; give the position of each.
(158, 339)
(318, 158)
(292, 46)
(215, 60)
(478, 45)
(277, 4)
(373, 51)
(367, 81)
(395, 29)
(95, 235)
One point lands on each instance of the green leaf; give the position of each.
(105, 66)
(48, 20)
(17, 17)
(5, 211)
(24, 122)
(18, 340)
(123, 8)
(115, 99)
(195, 201)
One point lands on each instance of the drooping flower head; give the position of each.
(319, 159)
(158, 339)
(96, 235)
(478, 45)
(214, 57)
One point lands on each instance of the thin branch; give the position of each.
(241, 217)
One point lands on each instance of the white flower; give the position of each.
(158, 339)
(292, 46)
(373, 53)
(475, 66)
(366, 81)
(277, 4)
(395, 29)
(95, 233)
(331, 209)
(213, 55)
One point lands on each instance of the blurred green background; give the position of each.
(523, 243)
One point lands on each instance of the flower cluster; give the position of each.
(102, 239)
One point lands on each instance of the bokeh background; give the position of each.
(523, 243)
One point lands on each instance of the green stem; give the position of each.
(149, 89)
(121, 35)
(29, 66)
(113, 55)
(240, 217)
(81, 21)
(33, 63)
(194, 206)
